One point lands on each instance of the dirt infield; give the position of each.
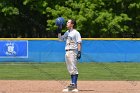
(41, 86)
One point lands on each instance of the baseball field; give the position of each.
(53, 77)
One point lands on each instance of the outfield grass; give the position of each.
(58, 71)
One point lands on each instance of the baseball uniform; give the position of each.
(72, 38)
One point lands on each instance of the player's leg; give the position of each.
(74, 76)
(71, 62)
(74, 79)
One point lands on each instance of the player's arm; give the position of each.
(79, 51)
(59, 30)
(79, 46)
(60, 36)
(79, 41)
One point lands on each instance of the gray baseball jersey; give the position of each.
(72, 39)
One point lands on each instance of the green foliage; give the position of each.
(10, 11)
(135, 5)
(111, 24)
(95, 18)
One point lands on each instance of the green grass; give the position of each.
(58, 71)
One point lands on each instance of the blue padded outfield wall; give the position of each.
(53, 50)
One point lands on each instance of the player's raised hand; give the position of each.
(60, 22)
(59, 29)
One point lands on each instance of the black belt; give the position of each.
(70, 49)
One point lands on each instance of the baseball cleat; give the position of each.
(71, 88)
(67, 90)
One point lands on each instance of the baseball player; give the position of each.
(73, 52)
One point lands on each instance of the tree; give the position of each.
(134, 13)
(95, 18)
